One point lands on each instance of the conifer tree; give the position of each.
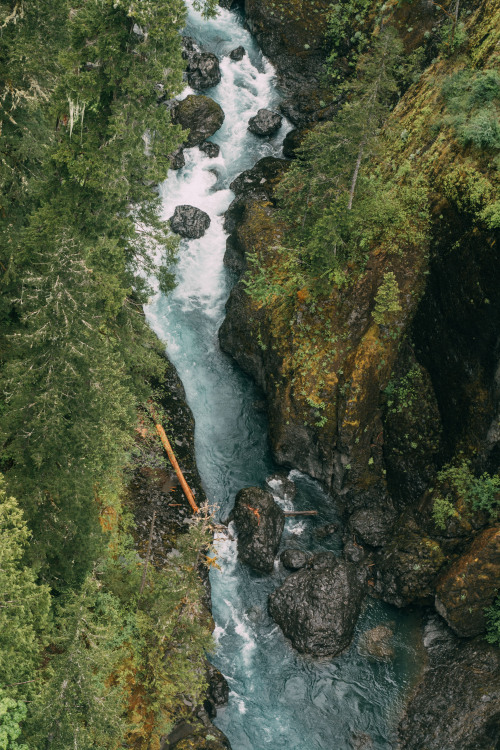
(24, 607)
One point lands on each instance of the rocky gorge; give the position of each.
(377, 413)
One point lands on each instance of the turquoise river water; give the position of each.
(278, 698)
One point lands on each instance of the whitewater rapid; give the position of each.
(278, 699)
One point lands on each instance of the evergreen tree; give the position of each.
(24, 608)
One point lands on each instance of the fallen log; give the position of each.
(301, 512)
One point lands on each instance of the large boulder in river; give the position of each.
(203, 70)
(260, 522)
(318, 607)
(294, 559)
(237, 54)
(189, 222)
(265, 122)
(200, 114)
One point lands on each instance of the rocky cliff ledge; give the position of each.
(396, 420)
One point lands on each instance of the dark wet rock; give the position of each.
(353, 552)
(261, 178)
(317, 607)
(294, 40)
(237, 54)
(294, 559)
(235, 260)
(456, 703)
(260, 522)
(408, 566)
(190, 47)
(218, 691)
(281, 486)
(372, 526)
(228, 4)
(292, 141)
(323, 532)
(212, 150)
(200, 114)
(265, 122)
(189, 221)
(177, 159)
(197, 733)
(203, 70)
(471, 585)
(377, 643)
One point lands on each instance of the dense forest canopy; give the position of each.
(83, 143)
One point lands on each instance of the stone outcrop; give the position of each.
(212, 150)
(265, 123)
(294, 559)
(293, 36)
(318, 607)
(203, 70)
(200, 115)
(470, 585)
(237, 54)
(189, 221)
(457, 701)
(260, 523)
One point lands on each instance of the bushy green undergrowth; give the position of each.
(473, 107)
(458, 484)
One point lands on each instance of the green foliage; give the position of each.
(402, 394)
(336, 204)
(124, 660)
(347, 31)
(473, 105)
(12, 713)
(387, 303)
(493, 618)
(457, 484)
(442, 510)
(24, 606)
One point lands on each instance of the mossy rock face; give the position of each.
(471, 585)
(412, 431)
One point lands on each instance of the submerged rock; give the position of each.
(457, 701)
(212, 150)
(200, 114)
(471, 585)
(294, 559)
(377, 642)
(260, 523)
(265, 122)
(203, 70)
(189, 222)
(318, 607)
(237, 54)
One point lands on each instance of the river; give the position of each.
(278, 698)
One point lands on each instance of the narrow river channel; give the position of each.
(279, 699)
